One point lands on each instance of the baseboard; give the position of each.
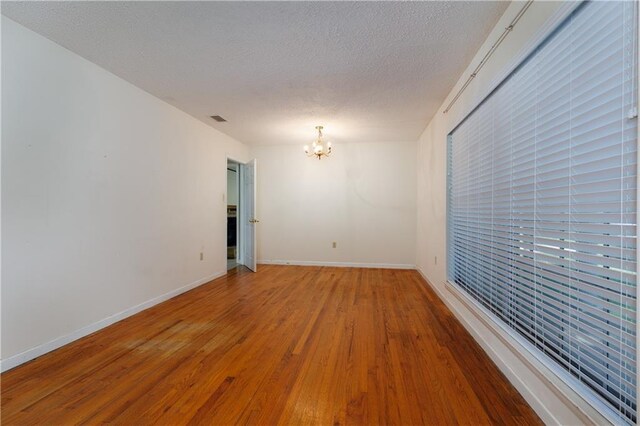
(28, 355)
(338, 264)
(554, 401)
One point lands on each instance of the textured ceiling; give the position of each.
(367, 71)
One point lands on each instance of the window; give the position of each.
(542, 188)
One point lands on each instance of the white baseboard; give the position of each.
(554, 401)
(28, 355)
(337, 264)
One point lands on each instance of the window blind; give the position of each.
(542, 188)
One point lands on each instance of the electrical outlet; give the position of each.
(335, 244)
(201, 256)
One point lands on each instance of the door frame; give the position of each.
(239, 243)
(240, 258)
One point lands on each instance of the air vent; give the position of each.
(218, 118)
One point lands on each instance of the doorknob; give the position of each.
(254, 221)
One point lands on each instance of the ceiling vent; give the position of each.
(218, 118)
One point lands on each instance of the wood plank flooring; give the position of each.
(288, 345)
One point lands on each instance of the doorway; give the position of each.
(233, 200)
(241, 214)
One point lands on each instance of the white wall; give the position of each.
(109, 195)
(551, 405)
(362, 197)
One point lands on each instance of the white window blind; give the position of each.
(542, 188)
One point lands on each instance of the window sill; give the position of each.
(549, 395)
(550, 383)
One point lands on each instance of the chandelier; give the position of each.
(319, 148)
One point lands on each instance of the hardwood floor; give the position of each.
(288, 345)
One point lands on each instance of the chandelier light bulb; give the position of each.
(319, 148)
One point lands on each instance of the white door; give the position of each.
(248, 215)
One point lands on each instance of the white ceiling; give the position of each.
(367, 71)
